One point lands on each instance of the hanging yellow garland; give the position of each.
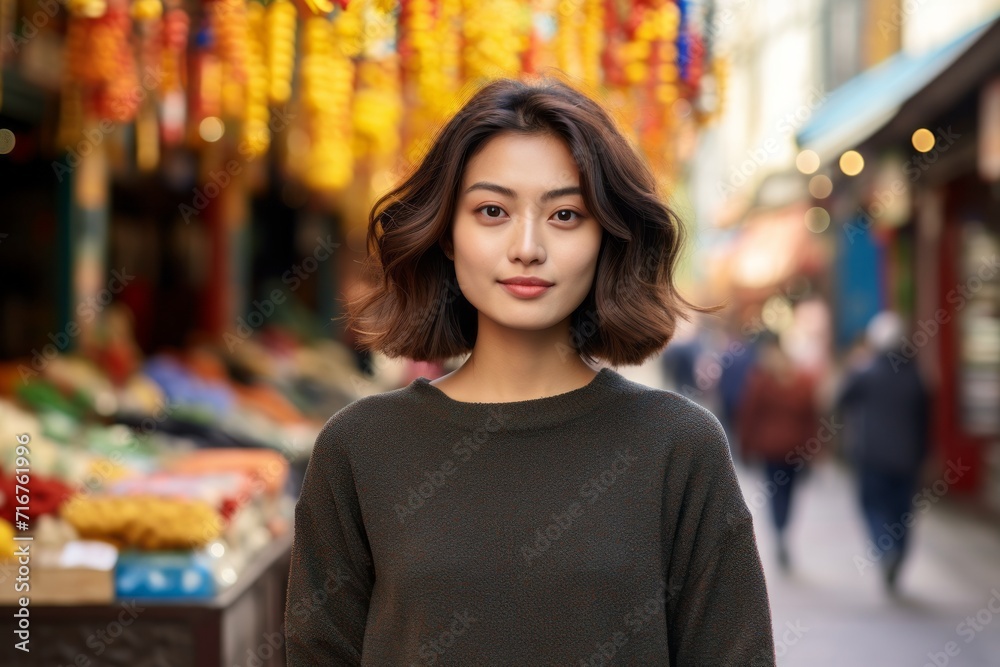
(667, 23)
(378, 107)
(569, 24)
(496, 34)
(327, 87)
(424, 71)
(592, 41)
(256, 133)
(280, 27)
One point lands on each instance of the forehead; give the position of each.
(524, 161)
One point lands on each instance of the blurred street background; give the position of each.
(184, 192)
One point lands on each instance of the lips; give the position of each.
(525, 287)
(526, 280)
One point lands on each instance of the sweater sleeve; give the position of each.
(331, 575)
(717, 608)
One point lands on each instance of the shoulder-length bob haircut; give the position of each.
(414, 308)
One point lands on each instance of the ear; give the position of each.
(447, 248)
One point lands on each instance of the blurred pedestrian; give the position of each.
(680, 359)
(732, 385)
(778, 413)
(885, 406)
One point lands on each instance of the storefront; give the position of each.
(920, 231)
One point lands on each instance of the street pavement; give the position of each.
(831, 610)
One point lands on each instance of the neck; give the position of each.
(515, 364)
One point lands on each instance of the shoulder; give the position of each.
(658, 403)
(696, 458)
(365, 419)
(683, 425)
(700, 485)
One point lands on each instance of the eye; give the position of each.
(563, 218)
(490, 211)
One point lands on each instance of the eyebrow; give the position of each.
(507, 192)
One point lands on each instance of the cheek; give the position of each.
(580, 258)
(471, 253)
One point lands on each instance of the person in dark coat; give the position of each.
(732, 384)
(778, 414)
(679, 361)
(885, 406)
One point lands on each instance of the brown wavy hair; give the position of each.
(414, 308)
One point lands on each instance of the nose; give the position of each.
(526, 243)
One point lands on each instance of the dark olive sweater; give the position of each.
(601, 526)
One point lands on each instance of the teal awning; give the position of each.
(863, 105)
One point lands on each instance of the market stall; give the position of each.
(165, 484)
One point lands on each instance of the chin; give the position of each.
(521, 318)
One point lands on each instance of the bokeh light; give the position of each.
(211, 129)
(820, 186)
(807, 161)
(851, 163)
(817, 219)
(923, 140)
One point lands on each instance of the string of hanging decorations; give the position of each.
(366, 82)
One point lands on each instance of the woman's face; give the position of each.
(520, 214)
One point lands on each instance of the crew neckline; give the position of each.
(530, 413)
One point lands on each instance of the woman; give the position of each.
(524, 509)
(777, 417)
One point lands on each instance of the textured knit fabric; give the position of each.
(601, 526)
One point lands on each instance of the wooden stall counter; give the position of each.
(243, 625)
